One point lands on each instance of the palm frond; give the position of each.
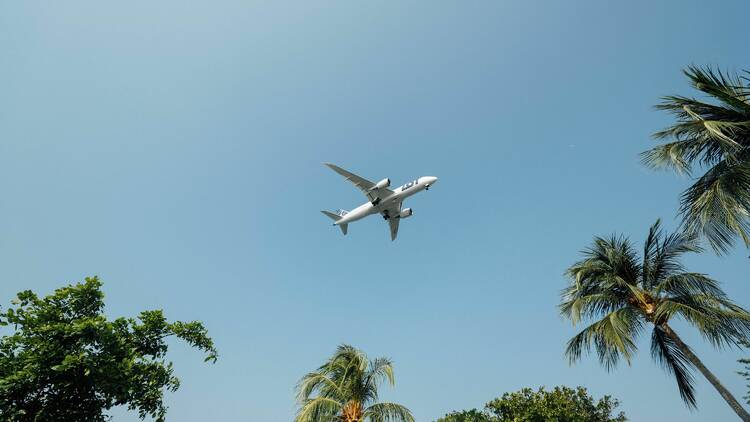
(684, 284)
(388, 412)
(665, 260)
(379, 370)
(719, 320)
(588, 306)
(610, 266)
(673, 156)
(717, 205)
(316, 381)
(670, 357)
(620, 256)
(319, 409)
(722, 86)
(703, 135)
(650, 252)
(612, 337)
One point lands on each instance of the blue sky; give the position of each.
(175, 149)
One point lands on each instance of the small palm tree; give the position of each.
(626, 294)
(345, 389)
(716, 137)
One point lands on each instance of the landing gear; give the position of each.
(385, 215)
(426, 187)
(375, 202)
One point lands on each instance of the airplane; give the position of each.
(382, 200)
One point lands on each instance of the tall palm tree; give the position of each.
(345, 389)
(624, 294)
(715, 136)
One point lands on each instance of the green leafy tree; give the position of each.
(714, 136)
(472, 415)
(64, 361)
(345, 389)
(562, 404)
(624, 294)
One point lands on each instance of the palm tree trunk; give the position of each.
(352, 412)
(733, 403)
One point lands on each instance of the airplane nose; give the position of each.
(432, 180)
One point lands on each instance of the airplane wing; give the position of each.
(362, 184)
(393, 220)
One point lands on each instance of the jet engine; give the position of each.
(405, 213)
(382, 184)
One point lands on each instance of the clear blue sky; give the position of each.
(175, 148)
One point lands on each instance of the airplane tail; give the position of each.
(336, 217)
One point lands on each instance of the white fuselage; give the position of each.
(399, 194)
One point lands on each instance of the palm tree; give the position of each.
(626, 294)
(345, 389)
(716, 137)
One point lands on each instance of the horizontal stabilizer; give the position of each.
(332, 216)
(336, 217)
